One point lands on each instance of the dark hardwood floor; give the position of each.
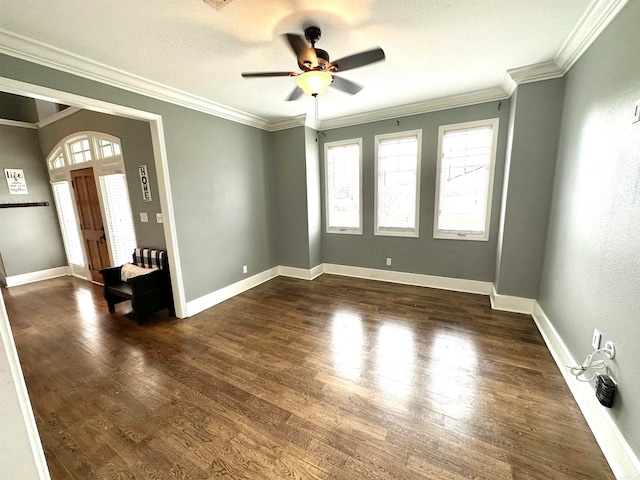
(337, 378)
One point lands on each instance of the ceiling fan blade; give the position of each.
(305, 54)
(358, 60)
(345, 85)
(268, 74)
(295, 94)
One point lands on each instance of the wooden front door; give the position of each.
(95, 244)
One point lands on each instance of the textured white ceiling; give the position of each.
(434, 48)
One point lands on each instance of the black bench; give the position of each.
(149, 292)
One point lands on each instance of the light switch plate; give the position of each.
(158, 217)
(144, 217)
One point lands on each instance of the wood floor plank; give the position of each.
(336, 378)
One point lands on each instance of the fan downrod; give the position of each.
(312, 34)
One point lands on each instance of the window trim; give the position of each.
(342, 230)
(394, 231)
(494, 123)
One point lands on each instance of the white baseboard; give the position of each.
(24, 278)
(207, 301)
(622, 460)
(417, 279)
(456, 284)
(301, 273)
(507, 303)
(16, 460)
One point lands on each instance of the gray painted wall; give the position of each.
(219, 178)
(314, 197)
(591, 276)
(15, 107)
(219, 182)
(136, 150)
(30, 238)
(424, 255)
(289, 179)
(531, 160)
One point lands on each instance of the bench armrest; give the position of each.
(149, 281)
(111, 276)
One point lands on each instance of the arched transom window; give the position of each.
(82, 148)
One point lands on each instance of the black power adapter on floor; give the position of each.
(605, 390)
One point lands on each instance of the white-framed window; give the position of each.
(397, 186)
(464, 179)
(80, 151)
(84, 147)
(343, 186)
(68, 224)
(108, 148)
(118, 217)
(56, 159)
(103, 154)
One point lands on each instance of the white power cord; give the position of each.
(590, 364)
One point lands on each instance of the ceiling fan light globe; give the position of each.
(314, 82)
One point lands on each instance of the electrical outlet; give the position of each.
(610, 349)
(158, 218)
(144, 217)
(388, 261)
(244, 269)
(597, 338)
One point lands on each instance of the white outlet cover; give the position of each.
(144, 217)
(158, 217)
(596, 339)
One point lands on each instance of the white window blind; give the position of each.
(398, 183)
(119, 220)
(465, 180)
(343, 187)
(68, 224)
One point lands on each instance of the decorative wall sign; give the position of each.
(144, 183)
(16, 181)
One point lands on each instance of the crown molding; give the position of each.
(15, 123)
(434, 105)
(589, 27)
(593, 22)
(533, 73)
(286, 123)
(40, 53)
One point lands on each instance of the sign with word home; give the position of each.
(144, 183)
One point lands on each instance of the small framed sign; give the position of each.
(144, 183)
(16, 181)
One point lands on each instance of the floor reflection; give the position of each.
(347, 343)
(85, 304)
(451, 377)
(395, 360)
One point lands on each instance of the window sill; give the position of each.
(344, 231)
(461, 236)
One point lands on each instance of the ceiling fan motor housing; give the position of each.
(312, 34)
(323, 56)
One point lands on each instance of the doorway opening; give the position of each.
(86, 170)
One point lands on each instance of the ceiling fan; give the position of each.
(317, 71)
